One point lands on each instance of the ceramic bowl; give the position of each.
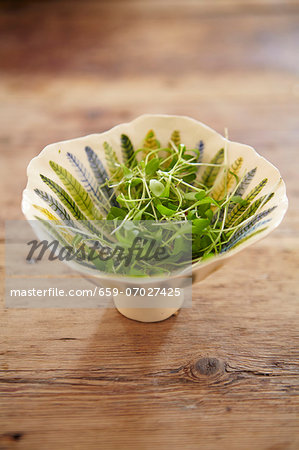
(252, 169)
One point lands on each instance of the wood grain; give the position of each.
(223, 374)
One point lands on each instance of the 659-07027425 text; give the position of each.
(97, 291)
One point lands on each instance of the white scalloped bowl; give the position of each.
(191, 132)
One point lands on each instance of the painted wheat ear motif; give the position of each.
(239, 209)
(175, 139)
(229, 179)
(128, 151)
(113, 163)
(150, 141)
(55, 206)
(79, 194)
(210, 174)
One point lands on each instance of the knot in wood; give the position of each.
(208, 366)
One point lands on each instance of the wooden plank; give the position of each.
(224, 372)
(114, 42)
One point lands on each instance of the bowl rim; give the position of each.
(283, 205)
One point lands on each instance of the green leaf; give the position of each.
(191, 214)
(121, 198)
(209, 214)
(205, 241)
(210, 174)
(128, 174)
(207, 256)
(179, 245)
(139, 215)
(116, 213)
(203, 208)
(237, 199)
(156, 187)
(189, 178)
(172, 206)
(152, 166)
(165, 211)
(200, 194)
(197, 195)
(136, 181)
(167, 188)
(190, 196)
(207, 200)
(173, 162)
(188, 157)
(198, 225)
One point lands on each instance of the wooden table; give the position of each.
(224, 374)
